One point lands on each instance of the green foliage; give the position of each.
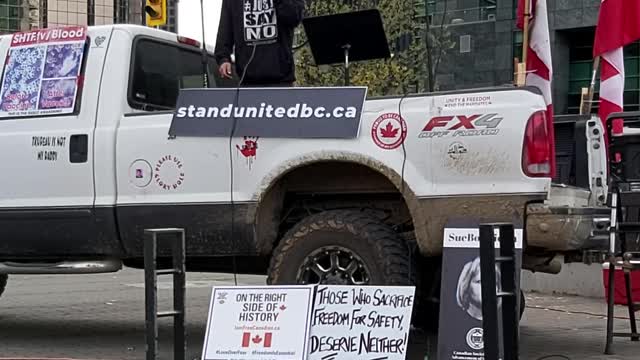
(405, 72)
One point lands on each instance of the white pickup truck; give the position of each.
(87, 165)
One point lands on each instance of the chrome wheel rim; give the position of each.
(333, 265)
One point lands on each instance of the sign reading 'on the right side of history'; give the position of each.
(258, 323)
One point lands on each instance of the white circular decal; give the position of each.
(140, 173)
(475, 339)
(168, 173)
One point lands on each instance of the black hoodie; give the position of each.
(267, 23)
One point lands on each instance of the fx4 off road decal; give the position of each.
(462, 125)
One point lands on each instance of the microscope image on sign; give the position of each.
(469, 290)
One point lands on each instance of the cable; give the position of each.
(404, 149)
(554, 356)
(206, 77)
(233, 131)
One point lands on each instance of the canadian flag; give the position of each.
(618, 25)
(539, 66)
(249, 338)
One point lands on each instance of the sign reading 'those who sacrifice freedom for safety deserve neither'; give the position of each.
(361, 322)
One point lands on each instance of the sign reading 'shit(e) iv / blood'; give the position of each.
(460, 334)
(41, 72)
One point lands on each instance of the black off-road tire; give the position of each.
(3, 282)
(385, 255)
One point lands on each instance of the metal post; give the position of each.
(489, 296)
(179, 276)
(510, 310)
(346, 65)
(151, 290)
(179, 343)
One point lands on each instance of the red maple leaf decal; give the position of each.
(283, 308)
(257, 339)
(389, 131)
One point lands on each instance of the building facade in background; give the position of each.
(483, 33)
(487, 41)
(21, 15)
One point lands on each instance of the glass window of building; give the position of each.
(11, 14)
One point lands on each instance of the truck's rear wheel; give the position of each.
(341, 247)
(3, 282)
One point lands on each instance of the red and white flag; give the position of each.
(263, 340)
(618, 25)
(539, 66)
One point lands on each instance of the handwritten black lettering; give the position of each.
(329, 343)
(357, 319)
(330, 318)
(391, 300)
(360, 297)
(326, 296)
(377, 320)
(372, 344)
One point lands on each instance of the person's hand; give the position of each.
(225, 70)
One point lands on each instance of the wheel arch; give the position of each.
(266, 214)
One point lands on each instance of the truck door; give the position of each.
(47, 120)
(162, 182)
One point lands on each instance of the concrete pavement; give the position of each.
(102, 317)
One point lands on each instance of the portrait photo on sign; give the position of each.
(469, 289)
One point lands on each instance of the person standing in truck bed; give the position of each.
(260, 33)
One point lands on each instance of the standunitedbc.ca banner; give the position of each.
(332, 112)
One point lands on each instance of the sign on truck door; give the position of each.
(47, 118)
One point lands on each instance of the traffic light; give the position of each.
(156, 12)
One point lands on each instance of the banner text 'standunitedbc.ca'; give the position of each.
(269, 112)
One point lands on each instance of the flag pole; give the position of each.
(587, 98)
(522, 67)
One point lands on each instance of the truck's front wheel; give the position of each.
(3, 282)
(341, 247)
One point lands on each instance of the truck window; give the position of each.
(160, 70)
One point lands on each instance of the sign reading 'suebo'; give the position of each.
(290, 112)
(258, 323)
(361, 322)
(460, 336)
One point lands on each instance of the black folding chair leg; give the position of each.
(609, 345)
(631, 306)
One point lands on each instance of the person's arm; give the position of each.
(224, 42)
(290, 12)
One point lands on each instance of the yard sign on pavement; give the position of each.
(258, 323)
(361, 322)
